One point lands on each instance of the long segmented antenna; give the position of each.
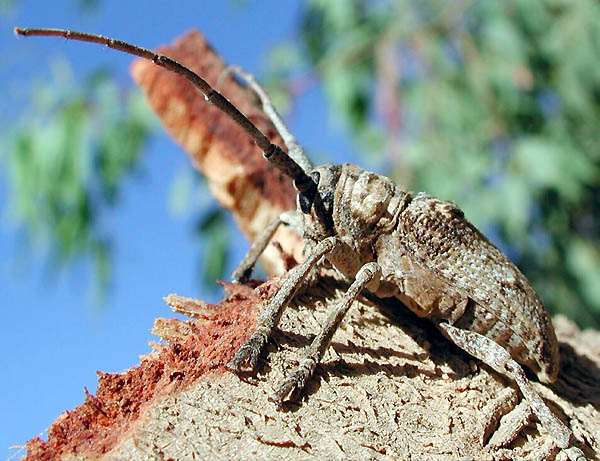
(272, 152)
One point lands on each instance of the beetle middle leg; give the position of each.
(499, 359)
(247, 354)
(369, 276)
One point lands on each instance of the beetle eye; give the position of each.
(307, 197)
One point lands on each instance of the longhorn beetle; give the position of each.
(392, 243)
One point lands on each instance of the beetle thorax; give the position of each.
(362, 205)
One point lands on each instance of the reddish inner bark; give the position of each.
(97, 425)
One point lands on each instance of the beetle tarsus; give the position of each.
(246, 357)
(294, 383)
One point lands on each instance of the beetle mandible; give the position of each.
(386, 240)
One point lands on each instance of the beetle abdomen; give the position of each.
(428, 296)
(437, 236)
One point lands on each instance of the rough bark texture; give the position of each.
(390, 387)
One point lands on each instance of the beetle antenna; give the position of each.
(272, 152)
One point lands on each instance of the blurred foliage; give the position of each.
(7, 4)
(494, 105)
(70, 153)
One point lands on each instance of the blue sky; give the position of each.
(53, 338)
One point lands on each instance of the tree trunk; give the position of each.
(389, 387)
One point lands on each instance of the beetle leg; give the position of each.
(493, 411)
(368, 275)
(499, 359)
(511, 425)
(294, 149)
(244, 269)
(247, 355)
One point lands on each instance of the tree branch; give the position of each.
(238, 175)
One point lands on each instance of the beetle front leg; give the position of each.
(495, 356)
(511, 425)
(368, 276)
(247, 355)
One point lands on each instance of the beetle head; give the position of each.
(316, 204)
(353, 203)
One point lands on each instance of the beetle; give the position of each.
(392, 243)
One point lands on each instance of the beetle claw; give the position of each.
(294, 383)
(246, 357)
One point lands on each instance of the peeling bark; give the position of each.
(389, 387)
